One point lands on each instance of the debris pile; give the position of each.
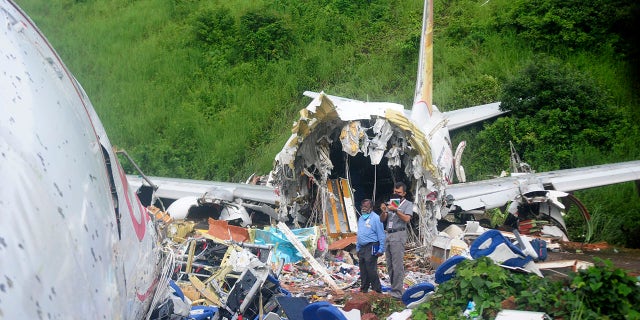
(231, 272)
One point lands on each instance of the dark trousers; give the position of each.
(369, 268)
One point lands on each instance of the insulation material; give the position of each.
(393, 156)
(417, 139)
(351, 137)
(178, 230)
(377, 145)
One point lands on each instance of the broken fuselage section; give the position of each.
(342, 151)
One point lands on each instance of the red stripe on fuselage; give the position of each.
(144, 296)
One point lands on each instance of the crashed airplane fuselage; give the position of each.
(367, 147)
(75, 242)
(371, 146)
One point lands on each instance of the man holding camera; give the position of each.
(397, 213)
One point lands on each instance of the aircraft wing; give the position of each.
(174, 188)
(463, 117)
(495, 193)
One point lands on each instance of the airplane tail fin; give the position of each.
(422, 101)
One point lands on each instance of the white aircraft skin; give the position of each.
(75, 242)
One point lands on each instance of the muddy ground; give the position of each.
(623, 258)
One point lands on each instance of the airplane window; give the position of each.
(112, 188)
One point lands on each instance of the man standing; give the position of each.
(398, 214)
(370, 245)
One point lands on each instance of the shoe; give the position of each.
(396, 296)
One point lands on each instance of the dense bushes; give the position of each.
(556, 110)
(264, 36)
(575, 25)
(599, 292)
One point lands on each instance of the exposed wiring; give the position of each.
(162, 289)
(375, 183)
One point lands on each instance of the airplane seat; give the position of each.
(310, 312)
(330, 313)
(273, 279)
(285, 292)
(494, 245)
(293, 307)
(417, 294)
(540, 246)
(181, 304)
(276, 283)
(269, 316)
(202, 312)
(447, 269)
(177, 291)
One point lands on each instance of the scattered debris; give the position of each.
(278, 272)
(575, 265)
(522, 315)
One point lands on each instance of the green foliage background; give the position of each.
(209, 89)
(599, 292)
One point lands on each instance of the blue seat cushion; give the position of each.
(417, 294)
(330, 313)
(202, 312)
(310, 311)
(447, 269)
(492, 238)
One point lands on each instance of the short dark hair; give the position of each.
(401, 184)
(365, 201)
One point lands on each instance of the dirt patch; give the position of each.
(623, 258)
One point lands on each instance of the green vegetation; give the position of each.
(599, 292)
(208, 89)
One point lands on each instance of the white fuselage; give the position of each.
(75, 243)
